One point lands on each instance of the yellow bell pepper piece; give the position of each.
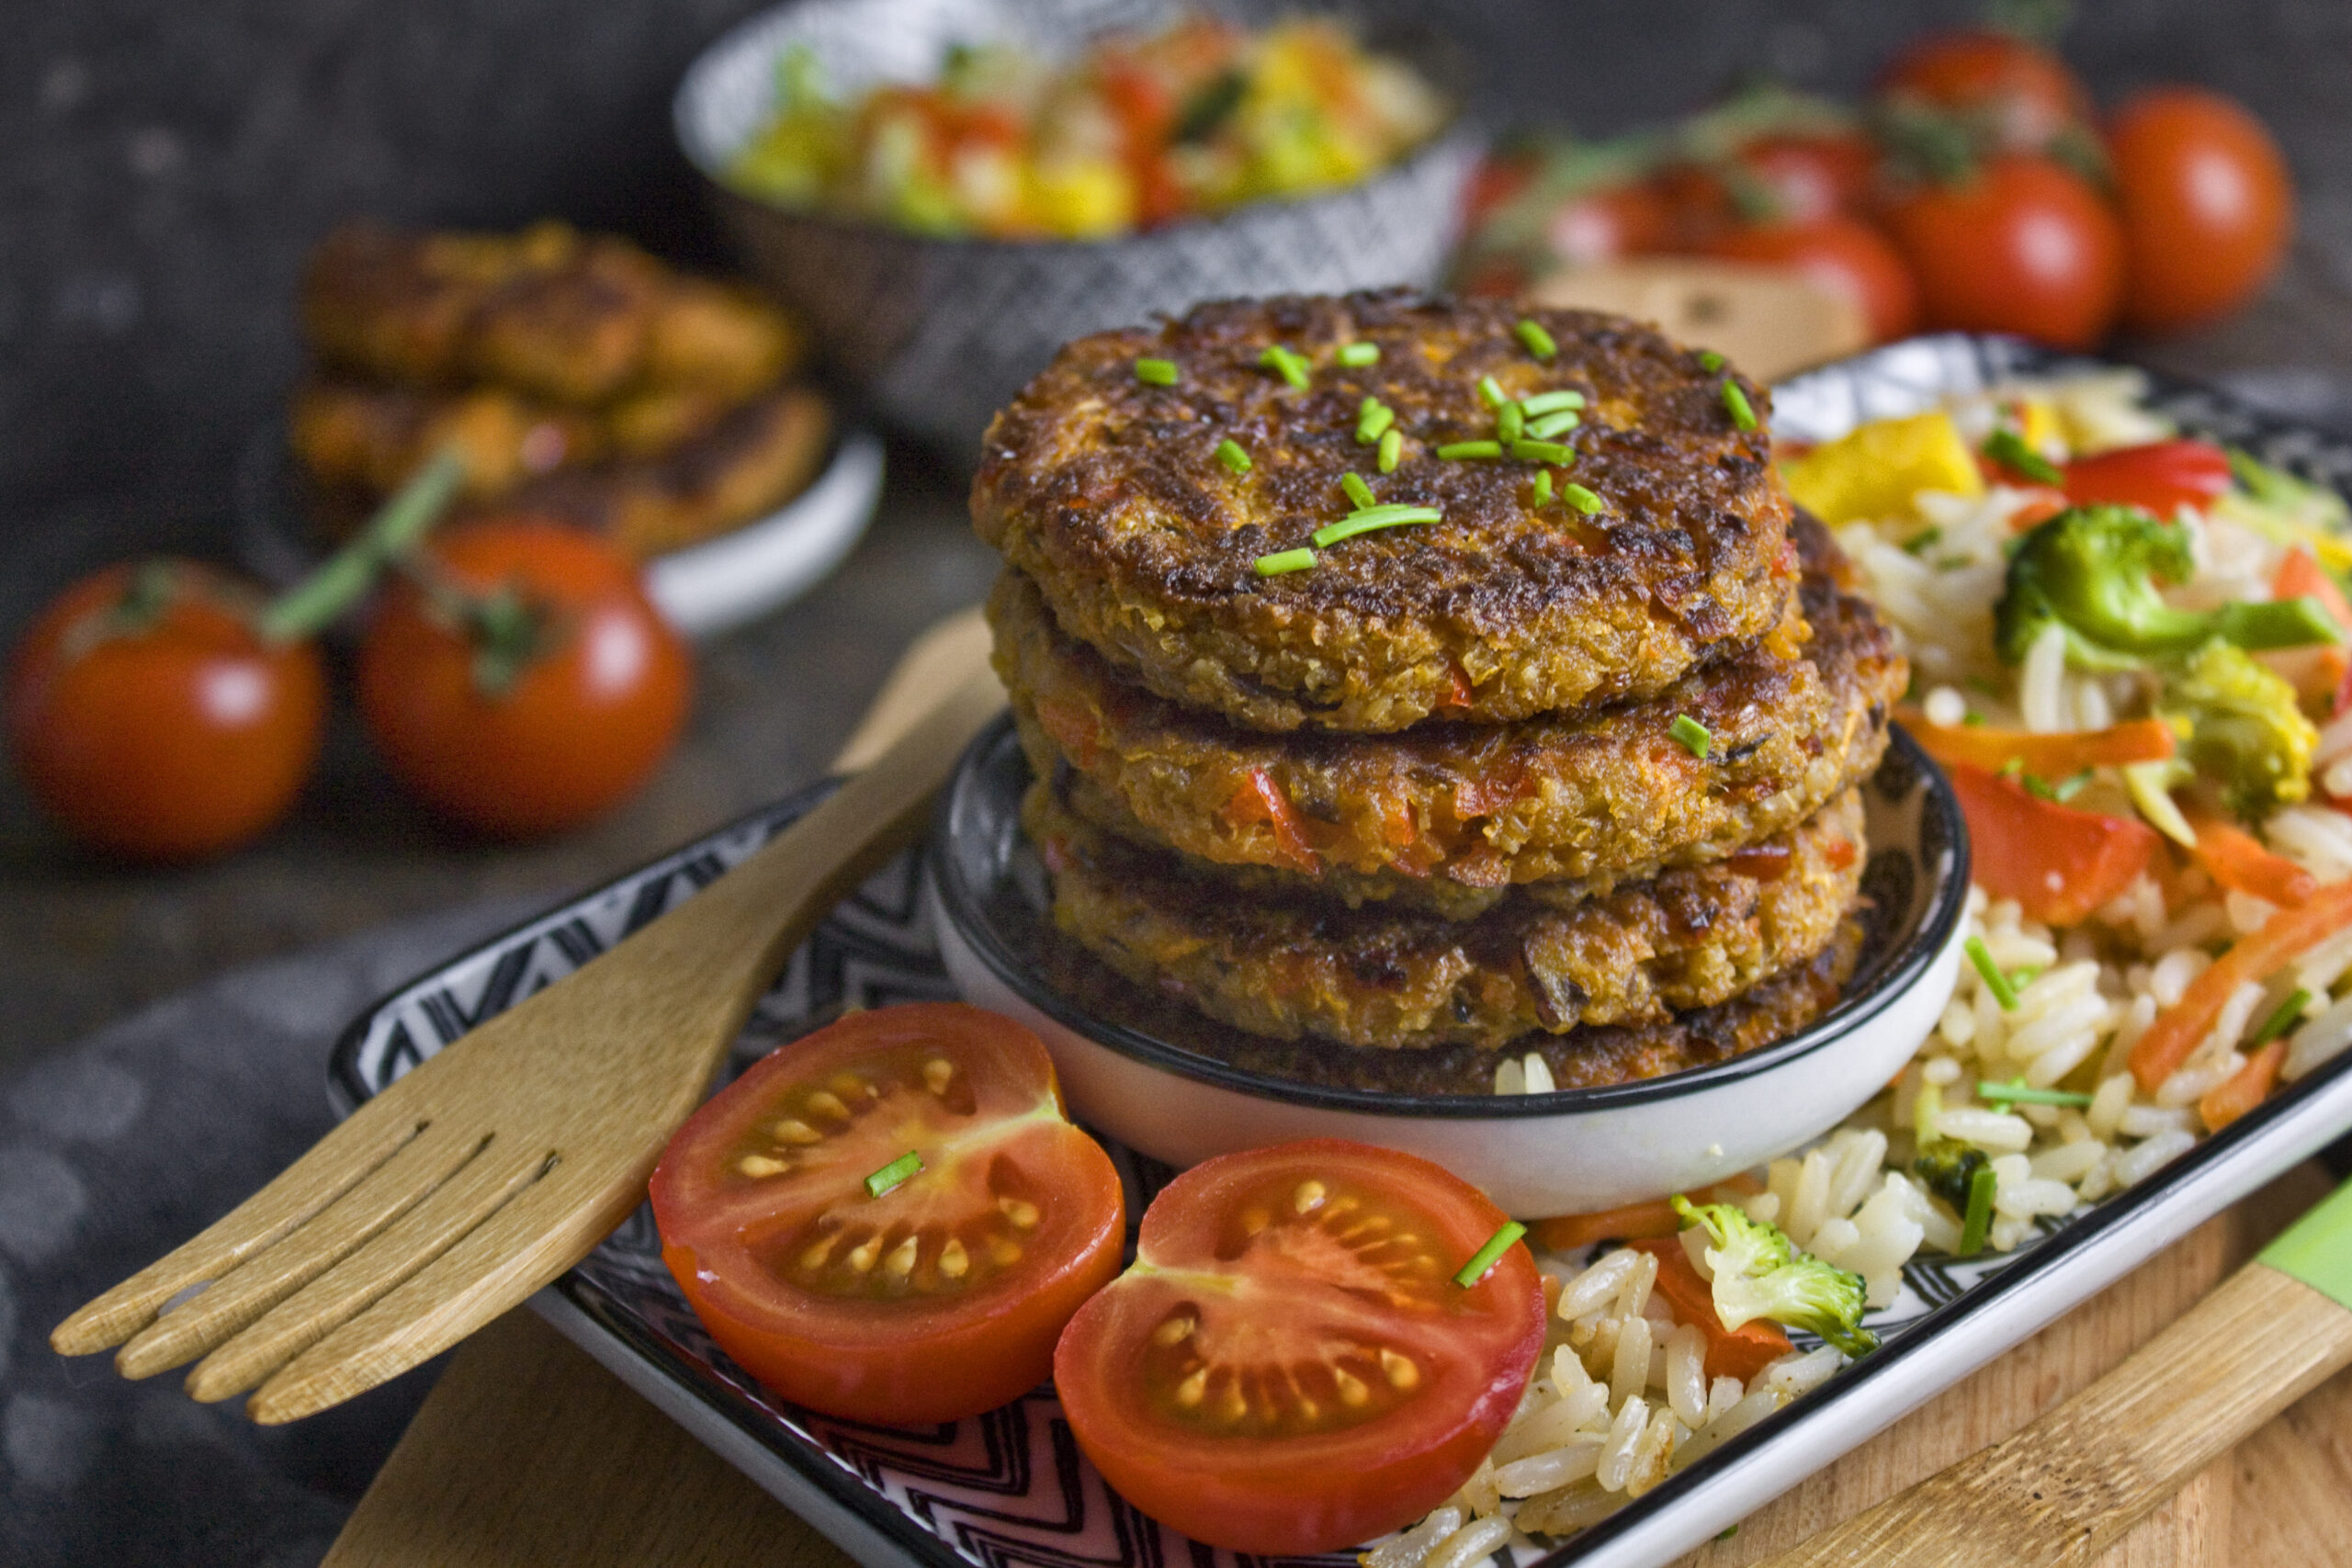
(1874, 471)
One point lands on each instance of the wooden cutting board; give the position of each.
(529, 1455)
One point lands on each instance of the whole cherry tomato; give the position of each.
(1293, 1363)
(1610, 223)
(152, 720)
(2161, 477)
(2207, 206)
(2024, 92)
(1811, 177)
(861, 1283)
(529, 684)
(2021, 244)
(1841, 253)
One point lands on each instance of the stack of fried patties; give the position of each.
(581, 378)
(1553, 749)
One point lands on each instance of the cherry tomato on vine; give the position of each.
(1841, 253)
(2024, 91)
(1611, 223)
(2021, 244)
(152, 720)
(2207, 206)
(855, 1280)
(528, 684)
(1290, 1366)
(2161, 477)
(1811, 177)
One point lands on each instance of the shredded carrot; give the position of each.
(2044, 505)
(2244, 1090)
(2173, 1037)
(2300, 576)
(1731, 1353)
(1073, 728)
(1261, 799)
(2236, 860)
(1566, 1233)
(2050, 757)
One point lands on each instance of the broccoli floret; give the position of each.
(1946, 1166)
(2246, 731)
(2095, 570)
(1758, 1274)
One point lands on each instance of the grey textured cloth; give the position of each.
(114, 1152)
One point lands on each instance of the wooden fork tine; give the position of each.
(243, 1293)
(412, 1243)
(334, 1165)
(528, 1243)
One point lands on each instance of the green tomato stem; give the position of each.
(313, 603)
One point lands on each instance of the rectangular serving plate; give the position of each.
(1010, 1489)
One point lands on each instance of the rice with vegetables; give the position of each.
(2127, 654)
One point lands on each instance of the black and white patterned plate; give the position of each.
(1010, 1489)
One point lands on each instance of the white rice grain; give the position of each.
(1472, 1543)
(2108, 1104)
(2154, 1120)
(1995, 1132)
(1686, 1375)
(1794, 1376)
(1412, 1547)
(2318, 1040)
(2144, 1158)
(1629, 1373)
(1551, 1470)
(1596, 1285)
(1624, 1433)
(2042, 691)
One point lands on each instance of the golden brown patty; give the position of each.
(1106, 491)
(1388, 977)
(1588, 1056)
(1446, 816)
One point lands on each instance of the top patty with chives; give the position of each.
(1107, 490)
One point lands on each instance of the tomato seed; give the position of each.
(1004, 1254)
(1403, 1376)
(759, 1165)
(1175, 1331)
(953, 1261)
(1352, 1393)
(862, 1257)
(1020, 1211)
(814, 1258)
(825, 1102)
(1309, 1196)
(1190, 1392)
(902, 1261)
(793, 1131)
(937, 1073)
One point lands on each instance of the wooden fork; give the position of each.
(503, 1160)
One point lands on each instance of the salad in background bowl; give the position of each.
(1306, 164)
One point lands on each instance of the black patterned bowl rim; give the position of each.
(1897, 971)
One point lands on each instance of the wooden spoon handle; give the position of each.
(2066, 1488)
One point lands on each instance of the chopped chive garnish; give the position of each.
(1392, 447)
(1973, 717)
(1356, 356)
(2281, 1019)
(1535, 339)
(1230, 453)
(1282, 561)
(1510, 421)
(1491, 391)
(891, 1175)
(1979, 1219)
(1541, 494)
(2036, 785)
(1156, 372)
(2007, 448)
(1743, 412)
(1486, 1256)
(1372, 518)
(2067, 789)
(1583, 500)
(1552, 403)
(1372, 419)
(1697, 736)
(2018, 1092)
(1710, 361)
(1995, 981)
(1284, 364)
(1551, 424)
(2022, 976)
(1358, 492)
(1542, 452)
(1454, 451)
(1921, 543)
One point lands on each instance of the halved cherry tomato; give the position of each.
(1840, 253)
(1289, 1366)
(2207, 206)
(2023, 244)
(2160, 477)
(2057, 862)
(151, 719)
(2025, 92)
(1739, 1352)
(942, 1296)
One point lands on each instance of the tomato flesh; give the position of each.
(1289, 1366)
(2057, 862)
(940, 1297)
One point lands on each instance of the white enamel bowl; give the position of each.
(1569, 1152)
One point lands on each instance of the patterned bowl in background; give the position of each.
(938, 333)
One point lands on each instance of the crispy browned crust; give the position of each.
(1106, 492)
(559, 315)
(1446, 816)
(1391, 979)
(1588, 1056)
